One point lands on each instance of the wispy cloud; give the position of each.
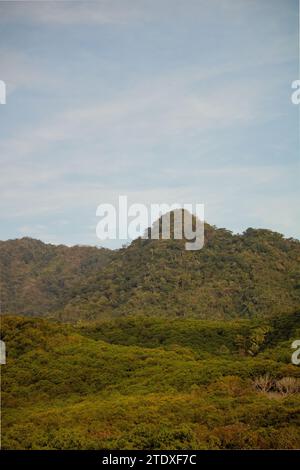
(70, 12)
(21, 71)
(122, 97)
(161, 108)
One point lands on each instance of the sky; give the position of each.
(164, 101)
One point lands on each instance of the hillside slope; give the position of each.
(253, 274)
(38, 278)
(233, 276)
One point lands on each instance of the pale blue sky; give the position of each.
(161, 100)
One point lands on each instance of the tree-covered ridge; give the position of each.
(163, 348)
(38, 278)
(232, 386)
(253, 274)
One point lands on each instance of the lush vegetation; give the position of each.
(256, 274)
(38, 278)
(156, 347)
(162, 384)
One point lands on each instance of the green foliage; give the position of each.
(161, 348)
(37, 279)
(136, 384)
(255, 274)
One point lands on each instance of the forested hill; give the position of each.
(38, 278)
(253, 274)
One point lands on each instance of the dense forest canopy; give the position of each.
(140, 383)
(253, 274)
(152, 346)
